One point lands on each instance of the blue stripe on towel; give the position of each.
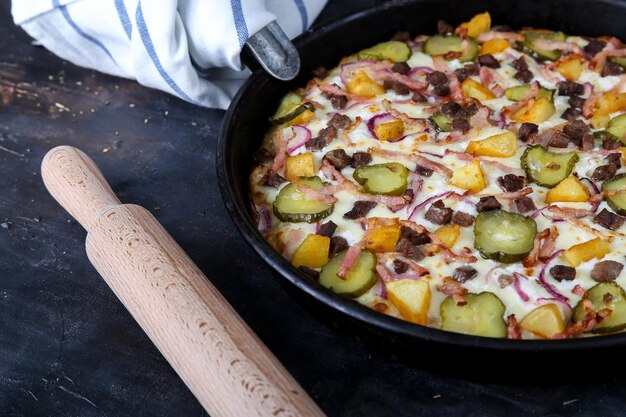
(144, 34)
(303, 14)
(123, 14)
(70, 21)
(240, 22)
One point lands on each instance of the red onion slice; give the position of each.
(518, 288)
(378, 120)
(594, 188)
(301, 135)
(347, 71)
(425, 202)
(545, 284)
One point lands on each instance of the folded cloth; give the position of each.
(189, 48)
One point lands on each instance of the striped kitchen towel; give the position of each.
(189, 48)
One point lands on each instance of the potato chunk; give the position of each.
(469, 177)
(545, 321)
(363, 85)
(494, 46)
(583, 252)
(448, 234)
(301, 165)
(604, 106)
(390, 131)
(568, 190)
(570, 67)
(312, 252)
(536, 111)
(502, 145)
(411, 297)
(476, 90)
(478, 24)
(383, 239)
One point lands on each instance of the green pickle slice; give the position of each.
(444, 44)
(358, 280)
(442, 123)
(290, 107)
(531, 37)
(615, 301)
(389, 178)
(519, 92)
(503, 236)
(616, 202)
(292, 206)
(616, 129)
(394, 50)
(547, 168)
(483, 315)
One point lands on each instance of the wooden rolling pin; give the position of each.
(229, 370)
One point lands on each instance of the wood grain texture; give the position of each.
(218, 356)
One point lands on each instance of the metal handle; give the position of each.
(273, 50)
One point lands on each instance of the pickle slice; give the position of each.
(389, 178)
(519, 92)
(531, 37)
(616, 202)
(394, 50)
(503, 236)
(615, 301)
(547, 168)
(483, 315)
(620, 60)
(291, 205)
(441, 45)
(290, 107)
(442, 123)
(358, 280)
(617, 127)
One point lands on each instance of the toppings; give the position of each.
(479, 315)
(395, 51)
(526, 130)
(360, 159)
(614, 195)
(563, 273)
(401, 68)
(488, 60)
(438, 213)
(547, 168)
(463, 219)
(464, 273)
(570, 88)
(327, 229)
(337, 158)
(487, 204)
(359, 210)
(604, 172)
(451, 47)
(605, 271)
(544, 50)
(358, 279)
(512, 182)
(295, 205)
(271, 179)
(606, 305)
(503, 236)
(339, 121)
(323, 138)
(609, 220)
(389, 178)
(292, 110)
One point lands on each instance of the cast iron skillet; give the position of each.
(247, 120)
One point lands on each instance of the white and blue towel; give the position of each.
(189, 48)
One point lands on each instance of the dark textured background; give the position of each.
(69, 348)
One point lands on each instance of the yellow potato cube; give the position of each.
(494, 46)
(570, 67)
(478, 24)
(502, 145)
(536, 111)
(363, 85)
(600, 121)
(610, 103)
(476, 90)
(469, 177)
(302, 118)
(411, 297)
(301, 165)
(312, 252)
(544, 321)
(568, 190)
(448, 234)
(390, 131)
(383, 239)
(583, 252)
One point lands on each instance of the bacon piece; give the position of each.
(455, 90)
(533, 256)
(449, 256)
(337, 91)
(549, 244)
(345, 134)
(408, 81)
(512, 328)
(418, 159)
(383, 273)
(403, 116)
(589, 105)
(509, 36)
(552, 45)
(481, 118)
(589, 322)
(352, 255)
(440, 64)
(611, 49)
(290, 240)
(576, 222)
(415, 267)
(325, 193)
(509, 195)
(454, 289)
(280, 149)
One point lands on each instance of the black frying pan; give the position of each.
(247, 120)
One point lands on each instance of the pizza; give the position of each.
(469, 181)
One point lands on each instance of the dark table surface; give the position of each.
(69, 348)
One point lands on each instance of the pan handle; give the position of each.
(226, 366)
(273, 50)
